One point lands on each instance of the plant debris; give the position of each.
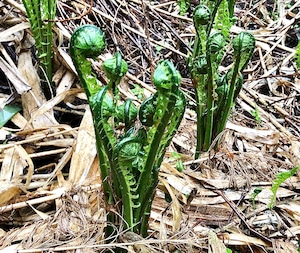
(50, 194)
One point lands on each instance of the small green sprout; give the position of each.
(256, 115)
(178, 158)
(138, 91)
(256, 191)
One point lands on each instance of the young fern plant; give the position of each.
(216, 92)
(129, 158)
(40, 13)
(279, 179)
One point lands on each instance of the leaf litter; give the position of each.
(50, 194)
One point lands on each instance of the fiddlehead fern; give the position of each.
(215, 47)
(215, 94)
(147, 110)
(127, 113)
(201, 16)
(166, 120)
(87, 41)
(129, 160)
(124, 155)
(115, 68)
(243, 45)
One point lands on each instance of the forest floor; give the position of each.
(50, 191)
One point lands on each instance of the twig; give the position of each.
(156, 15)
(90, 6)
(242, 217)
(15, 206)
(267, 115)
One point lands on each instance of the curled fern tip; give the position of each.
(88, 40)
(165, 76)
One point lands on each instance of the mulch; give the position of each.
(50, 191)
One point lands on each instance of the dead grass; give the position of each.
(50, 192)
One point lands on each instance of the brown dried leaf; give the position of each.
(215, 245)
(175, 205)
(14, 76)
(7, 192)
(281, 246)
(7, 35)
(238, 238)
(34, 99)
(52, 102)
(84, 151)
(26, 160)
(270, 137)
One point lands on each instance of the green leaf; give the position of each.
(223, 20)
(184, 5)
(280, 178)
(7, 113)
(297, 56)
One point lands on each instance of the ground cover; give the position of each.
(50, 192)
